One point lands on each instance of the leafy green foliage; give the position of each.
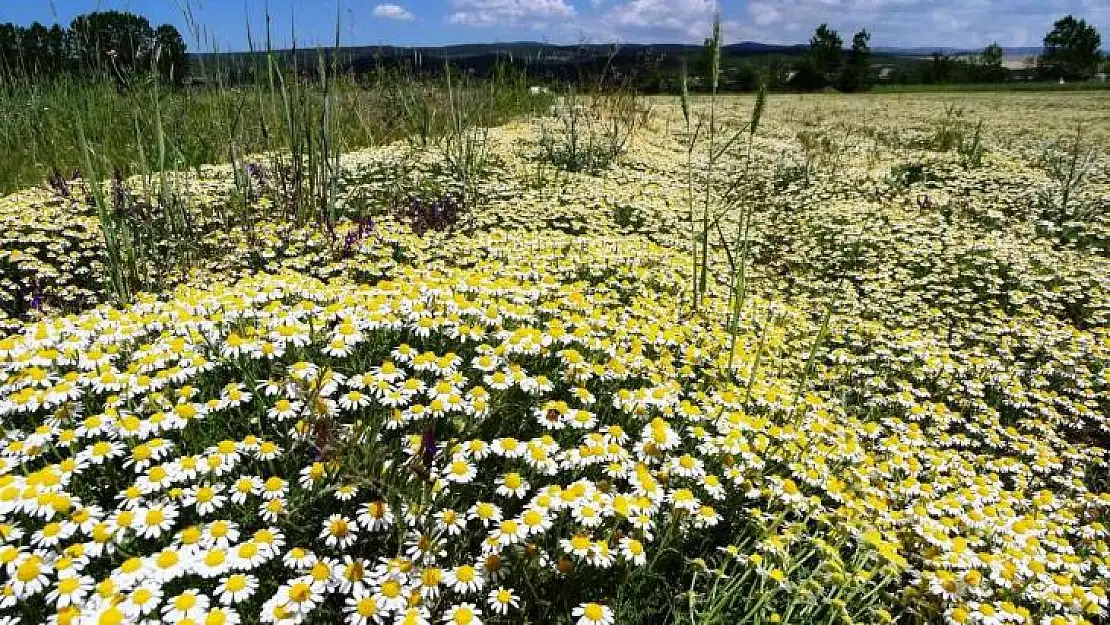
(112, 43)
(1071, 49)
(591, 130)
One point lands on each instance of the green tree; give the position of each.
(855, 75)
(943, 69)
(34, 48)
(9, 47)
(1071, 49)
(173, 64)
(825, 48)
(988, 66)
(991, 55)
(112, 41)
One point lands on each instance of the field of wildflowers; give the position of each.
(509, 403)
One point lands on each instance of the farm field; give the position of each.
(850, 364)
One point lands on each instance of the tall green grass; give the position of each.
(202, 124)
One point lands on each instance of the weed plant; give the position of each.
(591, 129)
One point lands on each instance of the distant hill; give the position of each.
(928, 51)
(650, 67)
(653, 63)
(534, 51)
(524, 51)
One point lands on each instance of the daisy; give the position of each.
(70, 589)
(236, 588)
(512, 485)
(249, 555)
(29, 576)
(362, 609)
(430, 580)
(53, 533)
(460, 471)
(301, 595)
(144, 599)
(271, 387)
(212, 563)
(600, 555)
(587, 514)
(423, 548)
(274, 488)
(244, 487)
(350, 574)
(463, 614)
(508, 448)
(713, 486)
(687, 466)
(346, 492)
(339, 531)
(312, 475)
(593, 614)
(103, 612)
(375, 516)
(387, 371)
(391, 595)
(268, 450)
(272, 510)
(219, 615)
(277, 612)
(502, 599)
(207, 499)
(190, 604)
(102, 451)
(221, 533)
(464, 579)
(492, 567)
(633, 551)
(450, 522)
(131, 571)
(269, 539)
(509, 532)
(414, 616)
(353, 400)
(706, 516)
(299, 559)
(578, 545)
(535, 520)
(485, 513)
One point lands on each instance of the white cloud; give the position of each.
(892, 23)
(666, 21)
(681, 20)
(393, 12)
(921, 23)
(534, 13)
(763, 13)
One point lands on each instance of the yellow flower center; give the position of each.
(366, 607)
(391, 588)
(111, 616)
(185, 602)
(300, 592)
(28, 571)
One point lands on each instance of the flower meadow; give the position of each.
(522, 417)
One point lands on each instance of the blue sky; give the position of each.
(956, 23)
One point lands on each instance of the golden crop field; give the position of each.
(847, 364)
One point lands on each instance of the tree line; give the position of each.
(1072, 51)
(113, 43)
(122, 45)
